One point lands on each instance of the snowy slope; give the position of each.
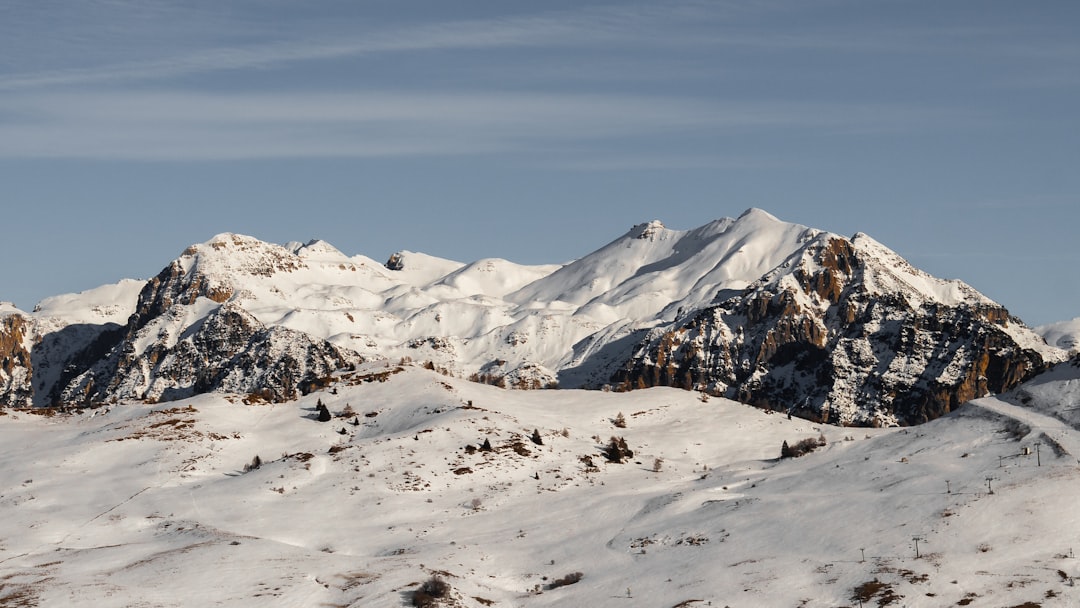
(105, 304)
(139, 505)
(1063, 334)
(653, 269)
(494, 314)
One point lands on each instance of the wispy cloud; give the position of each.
(651, 161)
(198, 42)
(189, 126)
(591, 26)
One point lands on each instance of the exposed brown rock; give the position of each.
(16, 367)
(859, 358)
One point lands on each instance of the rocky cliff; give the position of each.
(16, 366)
(847, 332)
(188, 334)
(228, 350)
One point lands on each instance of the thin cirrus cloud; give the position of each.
(673, 25)
(60, 111)
(571, 28)
(182, 126)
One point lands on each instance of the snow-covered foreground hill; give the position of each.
(150, 505)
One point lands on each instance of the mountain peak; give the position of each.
(228, 252)
(315, 248)
(7, 308)
(648, 230)
(230, 239)
(753, 213)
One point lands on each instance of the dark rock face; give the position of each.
(60, 356)
(396, 262)
(173, 286)
(823, 340)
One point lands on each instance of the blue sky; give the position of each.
(538, 131)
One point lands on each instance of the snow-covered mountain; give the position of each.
(848, 332)
(238, 315)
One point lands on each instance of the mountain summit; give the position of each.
(772, 313)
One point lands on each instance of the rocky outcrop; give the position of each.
(229, 351)
(396, 262)
(16, 368)
(204, 271)
(190, 334)
(835, 334)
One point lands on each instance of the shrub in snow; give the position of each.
(619, 421)
(802, 447)
(569, 579)
(254, 464)
(430, 592)
(536, 437)
(616, 450)
(590, 466)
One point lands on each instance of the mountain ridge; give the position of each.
(576, 325)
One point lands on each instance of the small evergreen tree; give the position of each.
(255, 463)
(536, 437)
(324, 414)
(619, 421)
(486, 446)
(785, 451)
(616, 450)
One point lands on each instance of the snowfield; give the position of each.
(153, 505)
(1063, 334)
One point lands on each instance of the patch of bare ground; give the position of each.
(875, 589)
